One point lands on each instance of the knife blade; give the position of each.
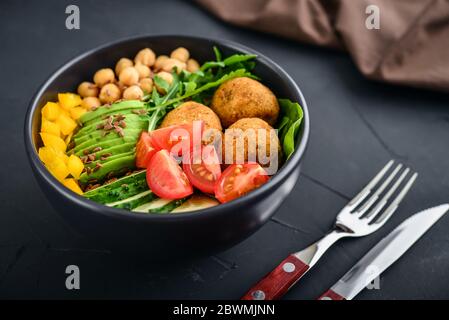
(384, 254)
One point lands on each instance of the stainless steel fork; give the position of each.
(360, 217)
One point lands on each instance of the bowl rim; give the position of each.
(222, 208)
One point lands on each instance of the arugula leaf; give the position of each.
(189, 87)
(229, 61)
(161, 83)
(217, 53)
(236, 58)
(156, 97)
(159, 109)
(212, 64)
(291, 118)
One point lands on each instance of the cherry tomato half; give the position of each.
(144, 150)
(239, 179)
(204, 171)
(177, 138)
(166, 178)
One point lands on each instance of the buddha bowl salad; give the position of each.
(163, 134)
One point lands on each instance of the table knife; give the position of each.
(384, 254)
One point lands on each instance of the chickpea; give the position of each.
(87, 89)
(143, 70)
(109, 93)
(145, 56)
(168, 77)
(181, 54)
(192, 65)
(129, 76)
(121, 86)
(146, 85)
(160, 62)
(90, 103)
(170, 64)
(122, 64)
(133, 93)
(104, 76)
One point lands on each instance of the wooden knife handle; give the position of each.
(331, 295)
(275, 284)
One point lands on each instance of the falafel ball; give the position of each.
(190, 111)
(244, 98)
(247, 145)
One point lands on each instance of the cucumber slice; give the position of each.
(169, 207)
(145, 208)
(129, 180)
(134, 197)
(135, 201)
(196, 202)
(121, 189)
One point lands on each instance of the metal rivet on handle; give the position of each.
(258, 295)
(288, 267)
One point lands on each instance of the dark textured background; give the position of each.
(357, 126)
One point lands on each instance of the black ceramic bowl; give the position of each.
(161, 236)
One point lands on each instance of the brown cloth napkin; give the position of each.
(410, 48)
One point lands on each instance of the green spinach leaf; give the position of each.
(289, 124)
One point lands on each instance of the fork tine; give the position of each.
(395, 203)
(372, 214)
(367, 189)
(368, 204)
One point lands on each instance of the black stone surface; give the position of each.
(357, 126)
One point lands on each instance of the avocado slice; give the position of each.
(114, 108)
(110, 140)
(114, 167)
(116, 149)
(134, 124)
(99, 135)
(130, 119)
(111, 158)
(126, 112)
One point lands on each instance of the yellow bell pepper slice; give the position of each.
(69, 100)
(50, 127)
(43, 155)
(68, 138)
(58, 169)
(51, 111)
(66, 124)
(53, 141)
(75, 166)
(71, 184)
(49, 154)
(77, 112)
